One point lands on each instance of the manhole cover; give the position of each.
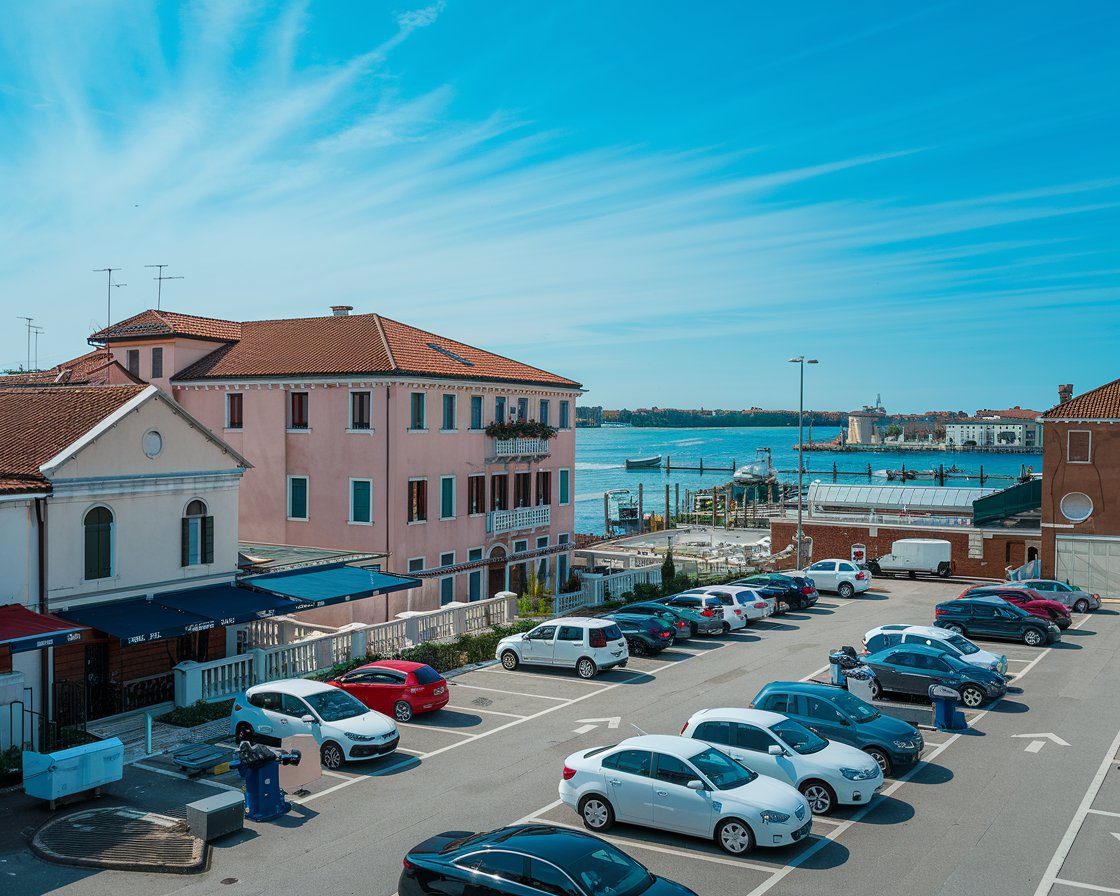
(482, 701)
(123, 839)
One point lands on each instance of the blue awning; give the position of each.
(138, 620)
(322, 586)
(226, 604)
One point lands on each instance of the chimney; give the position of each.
(341, 310)
(1065, 393)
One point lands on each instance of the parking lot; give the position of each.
(1001, 808)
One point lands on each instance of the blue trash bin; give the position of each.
(945, 714)
(260, 768)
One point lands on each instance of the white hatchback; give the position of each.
(826, 772)
(952, 643)
(685, 786)
(740, 601)
(841, 576)
(582, 643)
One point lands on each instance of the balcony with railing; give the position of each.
(522, 518)
(509, 449)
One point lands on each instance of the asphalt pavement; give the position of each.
(1025, 802)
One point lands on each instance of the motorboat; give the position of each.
(644, 463)
(758, 470)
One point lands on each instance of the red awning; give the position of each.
(22, 629)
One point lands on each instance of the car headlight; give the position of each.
(359, 737)
(906, 744)
(773, 816)
(859, 774)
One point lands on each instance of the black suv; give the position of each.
(993, 617)
(796, 592)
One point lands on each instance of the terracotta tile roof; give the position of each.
(352, 345)
(1102, 403)
(91, 369)
(169, 323)
(1015, 413)
(37, 423)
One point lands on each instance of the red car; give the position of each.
(396, 688)
(1034, 602)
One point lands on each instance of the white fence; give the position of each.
(522, 518)
(599, 588)
(265, 661)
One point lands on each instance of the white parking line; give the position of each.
(492, 712)
(1102, 812)
(538, 677)
(411, 752)
(475, 687)
(415, 727)
(1094, 887)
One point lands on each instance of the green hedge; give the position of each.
(198, 714)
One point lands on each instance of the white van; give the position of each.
(910, 556)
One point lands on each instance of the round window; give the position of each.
(1077, 507)
(153, 443)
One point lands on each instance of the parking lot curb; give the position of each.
(462, 670)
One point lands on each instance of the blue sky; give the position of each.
(664, 201)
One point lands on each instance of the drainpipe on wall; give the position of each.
(385, 489)
(46, 654)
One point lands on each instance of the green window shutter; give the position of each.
(564, 486)
(297, 501)
(185, 554)
(447, 498)
(360, 502)
(92, 550)
(208, 539)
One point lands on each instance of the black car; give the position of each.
(796, 592)
(645, 635)
(993, 617)
(527, 858)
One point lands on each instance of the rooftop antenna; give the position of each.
(159, 279)
(37, 330)
(29, 320)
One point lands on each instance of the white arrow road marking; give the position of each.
(1036, 745)
(592, 724)
(1114, 834)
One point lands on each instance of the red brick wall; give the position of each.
(1099, 479)
(1001, 548)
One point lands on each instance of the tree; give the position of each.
(668, 568)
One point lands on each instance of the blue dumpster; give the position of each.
(945, 714)
(260, 767)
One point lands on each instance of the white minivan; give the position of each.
(573, 642)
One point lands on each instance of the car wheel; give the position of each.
(1081, 606)
(971, 696)
(244, 732)
(637, 648)
(693, 629)
(912, 574)
(1032, 637)
(845, 589)
(331, 756)
(733, 836)
(819, 796)
(953, 627)
(876, 689)
(586, 668)
(881, 758)
(727, 628)
(402, 711)
(944, 572)
(509, 660)
(596, 813)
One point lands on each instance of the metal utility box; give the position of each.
(50, 776)
(216, 815)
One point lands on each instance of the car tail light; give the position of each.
(568, 773)
(706, 612)
(761, 605)
(665, 634)
(750, 705)
(684, 729)
(681, 624)
(598, 638)
(738, 612)
(408, 866)
(860, 576)
(806, 590)
(937, 611)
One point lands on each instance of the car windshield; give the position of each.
(799, 737)
(723, 771)
(335, 705)
(607, 871)
(427, 675)
(855, 707)
(962, 644)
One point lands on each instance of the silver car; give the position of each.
(1077, 600)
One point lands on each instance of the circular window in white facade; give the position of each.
(153, 443)
(1077, 507)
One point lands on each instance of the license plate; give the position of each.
(438, 691)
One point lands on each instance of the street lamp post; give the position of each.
(801, 360)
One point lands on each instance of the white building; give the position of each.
(994, 432)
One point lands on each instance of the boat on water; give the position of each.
(622, 511)
(758, 470)
(644, 463)
(907, 475)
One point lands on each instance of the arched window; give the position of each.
(198, 535)
(98, 524)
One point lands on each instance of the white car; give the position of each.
(734, 618)
(344, 727)
(740, 600)
(573, 642)
(774, 745)
(841, 576)
(952, 643)
(685, 786)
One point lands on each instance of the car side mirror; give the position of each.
(696, 784)
(309, 719)
(775, 750)
(524, 636)
(844, 723)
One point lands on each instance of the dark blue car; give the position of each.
(836, 715)
(912, 668)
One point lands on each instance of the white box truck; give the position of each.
(910, 556)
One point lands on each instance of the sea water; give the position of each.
(601, 454)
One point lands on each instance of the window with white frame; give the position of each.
(235, 410)
(522, 409)
(197, 541)
(564, 414)
(417, 411)
(415, 565)
(297, 497)
(297, 410)
(564, 485)
(361, 501)
(1079, 446)
(360, 404)
(544, 411)
(448, 423)
(417, 500)
(447, 583)
(474, 578)
(447, 497)
(157, 362)
(476, 493)
(132, 361)
(98, 527)
(500, 409)
(476, 412)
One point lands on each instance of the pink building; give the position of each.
(366, 434)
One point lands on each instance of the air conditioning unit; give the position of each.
(50, 776)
